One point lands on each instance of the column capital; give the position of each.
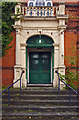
(56, 45)
(61, 27)
(23, 44)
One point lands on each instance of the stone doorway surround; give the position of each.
(53, 27)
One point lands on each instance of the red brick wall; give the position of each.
(71, 38)
(70, 47)
(8, 62)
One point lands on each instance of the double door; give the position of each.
(39, 67)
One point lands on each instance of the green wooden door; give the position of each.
(39, 67)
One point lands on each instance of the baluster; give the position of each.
(39, 11)
(49, 11)
(46, 12)
(30, 12)
(53, 11)
(27, 11)
(34, 11)
(43, 11)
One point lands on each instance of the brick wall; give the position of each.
(71, 39)
(8, 62)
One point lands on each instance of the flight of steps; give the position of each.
(40, 102)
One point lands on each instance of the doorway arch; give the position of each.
(40, 60)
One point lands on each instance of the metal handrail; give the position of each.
(11, 86)
(70, 88)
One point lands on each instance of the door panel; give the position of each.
(34, 67)
(39, 67)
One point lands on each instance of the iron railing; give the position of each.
(70, 88)
(8, 88)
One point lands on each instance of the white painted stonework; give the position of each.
(52, 26)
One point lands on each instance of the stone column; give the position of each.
(23, 64)
(61, 55)
(61, 27)
(17, 67)
(61, 47)
(56, 61)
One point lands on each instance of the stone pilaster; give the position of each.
(17, 67)
(56, 61)
(61, 67)
(23, 64)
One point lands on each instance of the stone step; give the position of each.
(39, 118)
(38, 88)
(38, 92)
(40, 97)
(40, 108)
(40, 102)
(42, 114)
(40, 85)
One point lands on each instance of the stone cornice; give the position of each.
(17, 66)
(39, 18)
(17, 26)
(62, 17)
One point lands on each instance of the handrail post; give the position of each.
(69, 96)
(20, 80)
(8, 96)
(20, 85)
(58, 86)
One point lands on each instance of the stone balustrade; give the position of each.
(39, 11)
